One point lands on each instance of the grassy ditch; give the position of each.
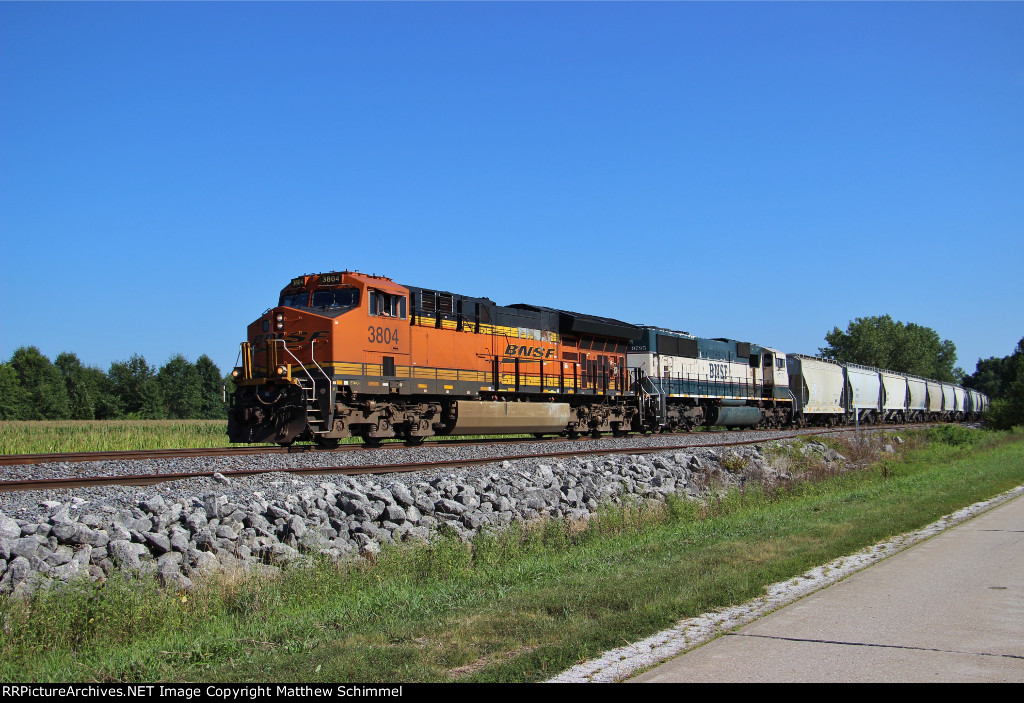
(519, 606)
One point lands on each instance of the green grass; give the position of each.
(52, 436)
(55, 436)
(519, 606)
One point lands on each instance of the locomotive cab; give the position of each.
(286, 381)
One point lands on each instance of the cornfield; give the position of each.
(51, 436)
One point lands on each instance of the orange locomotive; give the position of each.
(348, 354)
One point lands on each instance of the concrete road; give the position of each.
(948, 609)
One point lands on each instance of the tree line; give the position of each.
(888, 344)
(909, 348)
(1002, 380)
(34, 388)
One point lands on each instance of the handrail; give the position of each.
(313, 359)
(297, 362)
(655, 387)
(328, 421)
(691, 385)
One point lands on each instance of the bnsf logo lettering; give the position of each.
(292, 337)
(529, 352)
(719, 371)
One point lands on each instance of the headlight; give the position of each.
(279, 321)
(236, 372)
(282, 370)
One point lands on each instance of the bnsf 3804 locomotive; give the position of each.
(353, 355)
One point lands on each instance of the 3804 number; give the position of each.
(382, 335)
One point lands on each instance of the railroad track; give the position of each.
(390, 467)
(75, 457)
(213, 452)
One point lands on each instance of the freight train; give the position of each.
(346, 354)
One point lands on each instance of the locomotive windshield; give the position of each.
(294, 300)
(336, 298)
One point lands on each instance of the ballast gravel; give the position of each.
(431, 452)
(182, 528)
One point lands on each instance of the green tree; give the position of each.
(81, 397)
(106, 404)
(43, 384)
(211, 406)
(181, 387)
(228, 383)
(89, 390)
(14, 400)
(136, 388)
(992, 376)
(1007, 408)
(887, 344)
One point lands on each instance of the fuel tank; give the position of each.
(734, 417)
(494, 417)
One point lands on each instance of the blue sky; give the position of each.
(762, 171)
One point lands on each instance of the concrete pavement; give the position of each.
(948, 609)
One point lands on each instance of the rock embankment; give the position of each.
(183, 528)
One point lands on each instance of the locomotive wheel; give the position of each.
(289, 443)
(372, 441)
(413, 441)
(327, 442)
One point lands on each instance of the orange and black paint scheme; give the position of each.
(349, 354)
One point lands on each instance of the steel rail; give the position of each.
(151, 479)
(185, 453)
(76, 457)
(134, 454)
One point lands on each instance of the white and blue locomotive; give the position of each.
(690, 381)
(686, 381)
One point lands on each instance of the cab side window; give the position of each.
(387, 305)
